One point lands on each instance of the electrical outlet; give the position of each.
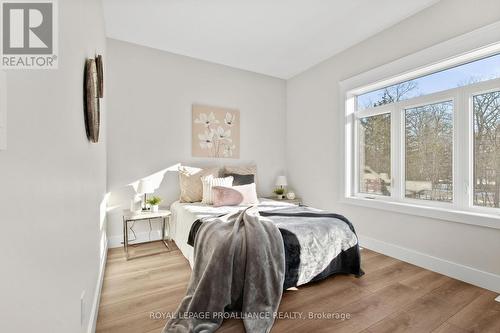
(82, 308)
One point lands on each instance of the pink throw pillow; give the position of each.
(226, 196)
(236, 195)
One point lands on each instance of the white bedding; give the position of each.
(185, 214)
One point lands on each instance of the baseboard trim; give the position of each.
(457, 271)
(97, 295)
(116, 241)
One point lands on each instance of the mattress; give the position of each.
(185, 214)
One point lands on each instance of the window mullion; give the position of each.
(396, 138)
(460, 150)
(356, 180)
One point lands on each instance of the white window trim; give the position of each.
(469, 47)
(3, 111)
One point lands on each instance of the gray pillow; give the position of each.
(241, 179)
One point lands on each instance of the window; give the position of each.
(428, 141)
(486, 108)
(476, 71)
(429, 151)
(375, 154)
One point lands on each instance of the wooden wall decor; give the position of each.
(93, 90)
(91, 101)
(100, 75)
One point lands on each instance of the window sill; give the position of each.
(471, 218)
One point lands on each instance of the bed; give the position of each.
(309, 255)
(244, 257)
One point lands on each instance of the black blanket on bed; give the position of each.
(346, 262)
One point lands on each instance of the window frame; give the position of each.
(398, 145)
(462, 168)
(363, 114)
(473, 46)
(468, 94)
(439, 97)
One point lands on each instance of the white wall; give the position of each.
(314, 144)
(149, 101)
(52, 181)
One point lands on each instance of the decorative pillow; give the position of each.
(240, 169)
(249, 193)
(249, 169)
(236, 195)
(226, 196)
(190, 182)
(209, 182)
(241, 179)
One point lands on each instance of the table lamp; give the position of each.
(281, 181)
(145, 187)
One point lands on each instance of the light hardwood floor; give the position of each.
(393, 296)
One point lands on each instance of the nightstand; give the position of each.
(129, 216)
(296, 201)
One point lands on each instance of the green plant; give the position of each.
(279, 191)
(153, 201)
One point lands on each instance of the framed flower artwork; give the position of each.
(215, 132)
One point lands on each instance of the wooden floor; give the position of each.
(393, 296)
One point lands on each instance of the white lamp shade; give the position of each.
(281, 181)
(145, 187)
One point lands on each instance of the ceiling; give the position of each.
(280, 38)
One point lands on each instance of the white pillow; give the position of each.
(249, 193)
(209, 182)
